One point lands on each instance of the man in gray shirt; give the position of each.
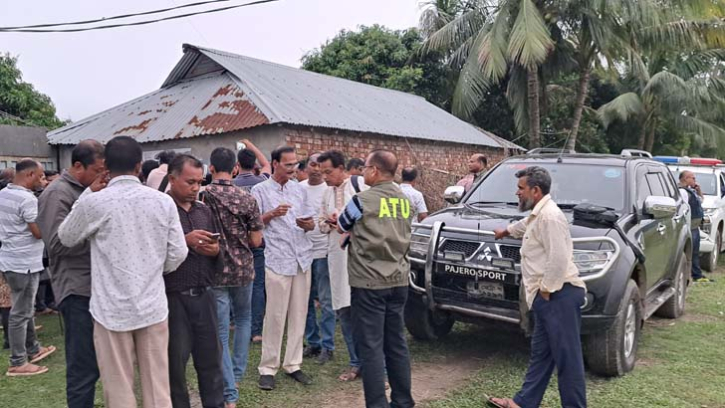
(70, 270)
(21, 261)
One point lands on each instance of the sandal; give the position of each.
(26, 370)
(507, 402)
(42, 353)
(350, 375)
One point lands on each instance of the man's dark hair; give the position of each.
(26, 164)
(87, 152)
(166, 156)
(354, 162)
(385, 161)
(123, 154)
(147, 166)
(247, 159)
(222, 159)
(179, 161)
(334, 156)
(278, 152)
(409, 174)
(50, 173)
(302, 165)
(536, 177)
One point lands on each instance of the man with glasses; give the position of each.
(287, 217)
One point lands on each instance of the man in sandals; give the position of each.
(554, 293)
(21, 261)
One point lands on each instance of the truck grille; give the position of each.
(511, 252)
(466, 247)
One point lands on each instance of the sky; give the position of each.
(85, 73)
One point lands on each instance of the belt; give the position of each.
(194, 291)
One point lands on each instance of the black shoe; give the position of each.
(300, 377)
(325, 356)
(311, 351)
(266, 382)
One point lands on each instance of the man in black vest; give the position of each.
(688, 183)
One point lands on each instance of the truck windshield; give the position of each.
(707, 182)
(572, 184)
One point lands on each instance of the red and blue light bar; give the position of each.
(695, 161)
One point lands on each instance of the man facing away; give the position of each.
(409, 176)
(288, 253)
(70, 271)
(21, 261)
(378, 221)
(246, 179)
(693, 196)
(476, 169)
(240, 225)
(192, 304)
(554, 293)
(340, 191)
(320, 338)
(135, 237)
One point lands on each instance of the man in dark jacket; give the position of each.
(70, 270)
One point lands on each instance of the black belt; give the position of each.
(194, 291)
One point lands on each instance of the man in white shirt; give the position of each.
(342, 187)
(136, 237)
(417, 203)
(554, 293)
(320, 338)
(21, 261)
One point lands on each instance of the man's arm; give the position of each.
(421, 208)
(263, 162)
(35, 230)
(255, 225)
(52, 210)
(557, 245)
(176, 249)
(353, 212)
(29, 213)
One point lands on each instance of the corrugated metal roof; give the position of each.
(261, 92)
(205, 105)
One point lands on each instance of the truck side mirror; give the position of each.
(660, 207)
(454, 194)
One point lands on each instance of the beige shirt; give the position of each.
(547, 253)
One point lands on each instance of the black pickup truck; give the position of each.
(632, 245)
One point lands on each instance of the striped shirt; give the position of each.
(21, 252)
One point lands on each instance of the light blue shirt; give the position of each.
(287, 246)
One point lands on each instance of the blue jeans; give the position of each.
(556, 343)
(696, 270)
(322, 336)
(234, 367)
(259, 299)
(345, 315)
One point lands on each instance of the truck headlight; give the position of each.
(419, 245)
(706, 226)
(591, 261)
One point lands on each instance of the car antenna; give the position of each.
(561, 153)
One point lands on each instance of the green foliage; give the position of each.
(386, 58)
(20, 101)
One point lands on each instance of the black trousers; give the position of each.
(193, 332)
(81, 372)
(379, 332)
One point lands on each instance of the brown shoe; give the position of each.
(26, 370)
(41, 354)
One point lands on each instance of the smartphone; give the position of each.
(215, 236)
(345, 242)
(330, 222)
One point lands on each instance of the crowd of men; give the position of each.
(154, 262)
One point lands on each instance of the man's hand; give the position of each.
(501, 233)
(208, 249)
(332, 220)
(100, 182)
(545, 295)
(280, 211)
(198, 238)
(307, 224)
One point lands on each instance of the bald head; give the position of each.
(477, 163)
(385, 161)
(687, 179)
(29, 174)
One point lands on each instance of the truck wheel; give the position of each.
(424, 324)
(709, 261)
(613, 353)
(675, 306)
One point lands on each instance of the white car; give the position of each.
(712, 182)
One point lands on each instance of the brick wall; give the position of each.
(440, 163)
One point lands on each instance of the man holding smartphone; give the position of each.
(693, 196)
(192, 303)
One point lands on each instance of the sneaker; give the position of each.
(311, 351)
(324, 357)
(703, 280)
(300, 377)
(266, 382)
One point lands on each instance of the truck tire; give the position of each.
(674, 307)
(708, 261)
(424, 324)
(613, 353)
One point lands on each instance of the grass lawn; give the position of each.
(680, 366)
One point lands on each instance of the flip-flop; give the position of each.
(491, 403)
(35, 370)
(42, 353)
(351, 375)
